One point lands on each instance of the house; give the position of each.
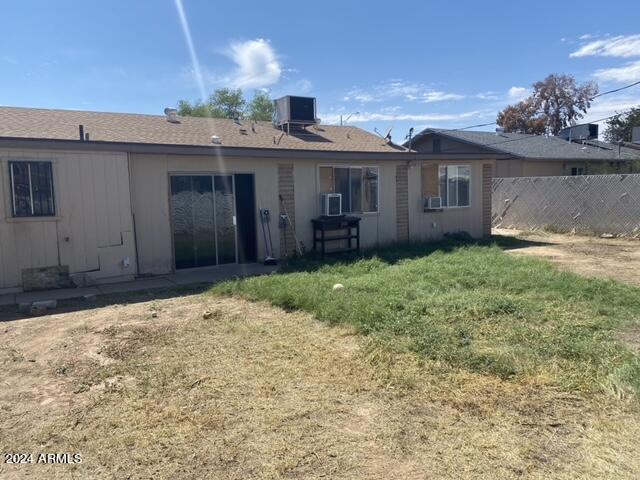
(92, 197)
(532, 155)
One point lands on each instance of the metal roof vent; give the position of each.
(215, 139)
(172, 115)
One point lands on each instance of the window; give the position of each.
(31, 189)
(357, 185)
(577, 171)
(454, 185)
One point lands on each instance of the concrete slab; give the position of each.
(59, 294)
(185, 277)
(136, 285)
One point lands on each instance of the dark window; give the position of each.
(32, 189)
(436, 145)
(577, 171)
(357, 185)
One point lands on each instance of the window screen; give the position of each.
(32, 189)
(454, 185)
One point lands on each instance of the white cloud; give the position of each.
(385, 115)
(628, 73)
(437, 96)
(586, 36)
(394, 89)
(488, 95)
(517, 94)
(303, 86)
(620, 46)
(257, 64)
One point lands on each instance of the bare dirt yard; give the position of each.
(188, 385)
(614, 258)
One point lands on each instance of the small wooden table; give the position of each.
(336, 224)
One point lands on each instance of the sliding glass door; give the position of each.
(204, 220)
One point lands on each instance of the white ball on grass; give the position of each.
(338, 286)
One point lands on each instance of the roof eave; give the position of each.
(181, 149)
(428, 131)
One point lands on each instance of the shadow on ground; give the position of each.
(10, 312)
(307, 263)
(396, 253)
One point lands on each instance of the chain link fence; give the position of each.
(592, 204)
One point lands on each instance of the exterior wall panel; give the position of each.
(432, 225)
(92, 229)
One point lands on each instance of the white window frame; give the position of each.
(13, 189)
(447, 166)
(361, 167)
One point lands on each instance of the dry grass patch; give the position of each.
(255, 392)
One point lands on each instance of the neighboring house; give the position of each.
(111, 196)
(532, 155)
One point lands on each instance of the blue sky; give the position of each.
(400, 65)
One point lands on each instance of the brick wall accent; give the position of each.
(286, 190)
(402, 203)
(487, 174)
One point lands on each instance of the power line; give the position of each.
(475, 126)
(592, 98)
(616, 90)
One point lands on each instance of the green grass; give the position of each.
(473, 308)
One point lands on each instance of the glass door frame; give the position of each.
(215, 222)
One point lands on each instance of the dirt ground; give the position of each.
(193, 386)
(614, 258)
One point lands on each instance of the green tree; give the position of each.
(260, 108)
(223, 103)
(556, 102)
(621, 126)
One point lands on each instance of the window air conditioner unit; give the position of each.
(432, 203)
(331, 204)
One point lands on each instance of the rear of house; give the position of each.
(90, 197)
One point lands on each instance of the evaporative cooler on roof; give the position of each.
(290, 110)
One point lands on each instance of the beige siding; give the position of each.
(433, 225)
(539, 168)
(531, 168)
(486, 199)
(150, 194)
(92, 230)
(508, 168)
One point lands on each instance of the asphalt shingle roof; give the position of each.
(33, 123)
(541, 146)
